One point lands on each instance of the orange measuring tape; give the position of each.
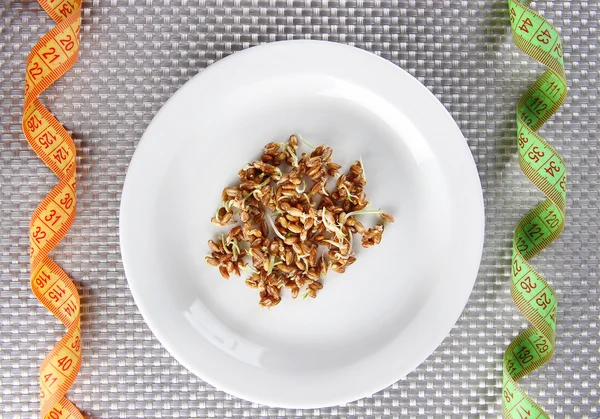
(49, 59)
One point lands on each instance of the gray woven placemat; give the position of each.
(135, 54)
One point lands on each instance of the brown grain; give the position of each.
(288, 224)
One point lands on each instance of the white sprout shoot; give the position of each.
(271, 264)
(236, 249)
(257, 194)
(334, 243)
(350, 195)
(217, 216)
(362, 212)
(299, 189)
(270, 220)
(224, 244)
(249, 269)
(247, 196)
(350, 242)
(291, 152)
(294, 157)
(304, 141)
(364, 173)
(331, 227)
(266, 182)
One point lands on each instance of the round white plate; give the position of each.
(367, 328)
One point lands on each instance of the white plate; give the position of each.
(367, 328)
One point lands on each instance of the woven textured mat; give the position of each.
(135, 54)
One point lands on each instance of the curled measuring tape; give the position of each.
(49, 59)
(545, 168)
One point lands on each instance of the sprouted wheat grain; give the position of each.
(311, 231)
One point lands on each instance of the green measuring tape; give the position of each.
(545, 168)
